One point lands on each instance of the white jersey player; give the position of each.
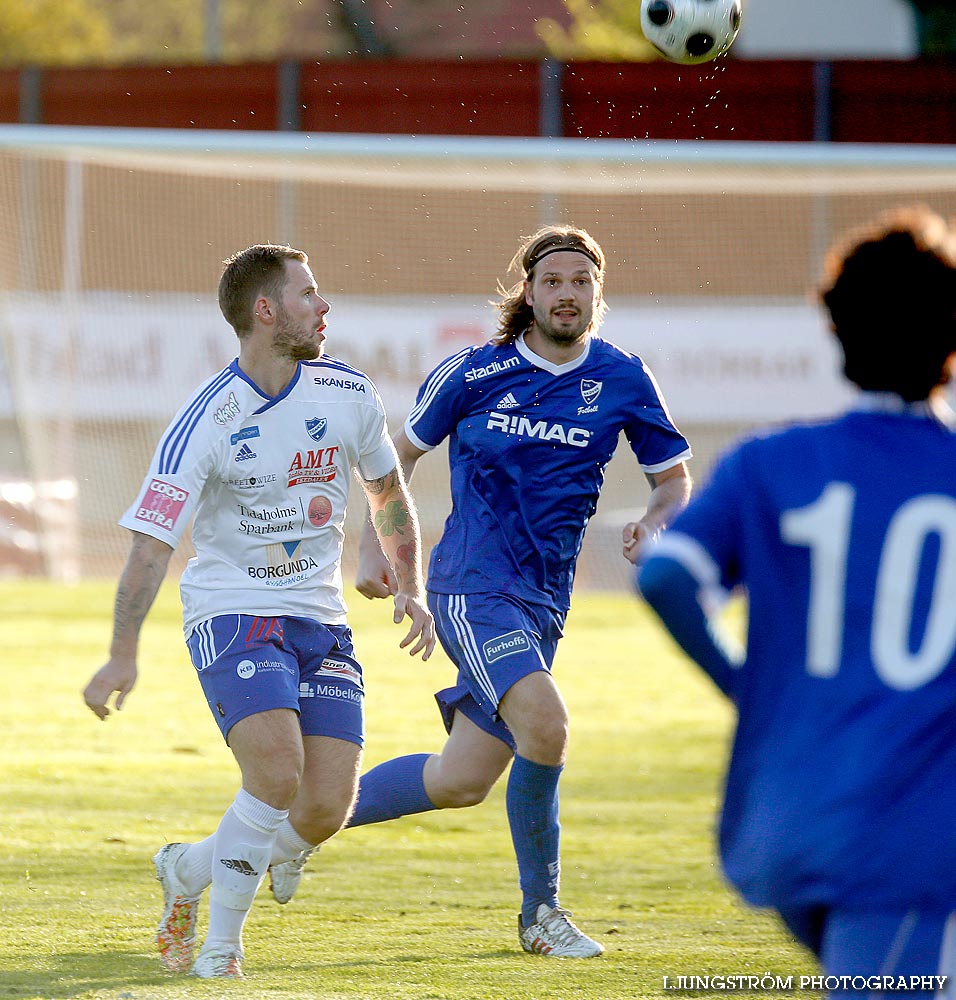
(267, 481)
(260, 459)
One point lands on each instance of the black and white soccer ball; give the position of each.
(690, 31)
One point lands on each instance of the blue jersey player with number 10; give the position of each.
(532, 418)
(840, 801)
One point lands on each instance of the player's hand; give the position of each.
(636, 537)
(119, 676)
(422, 631)
(374, 577)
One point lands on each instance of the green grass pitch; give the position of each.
(421, 908)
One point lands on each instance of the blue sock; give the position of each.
(532, 803)
(395, 788)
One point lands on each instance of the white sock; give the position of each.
(194, 866)
(288, 844)
(243, 847)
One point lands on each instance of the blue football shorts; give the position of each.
(860, 950)
(494, 640)
(248, 664)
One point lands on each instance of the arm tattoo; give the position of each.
(406, 553)
(136, 593)
(393, 517)
(381, 485)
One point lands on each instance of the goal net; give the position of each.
(115, 238)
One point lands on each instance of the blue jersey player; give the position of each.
(840, 803)
(532, 419)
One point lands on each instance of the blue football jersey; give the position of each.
(528, 445)
(840, 789)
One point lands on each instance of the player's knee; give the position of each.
(324, 819)
(283, 784)
(464, 793)
(276, 784)
(456, 788)
(546, 742)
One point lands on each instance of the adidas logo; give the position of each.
(245, 453)
(238, 865)
(507, 403)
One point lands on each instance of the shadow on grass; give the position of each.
(122, 974)
(409, 959)
(73, 974)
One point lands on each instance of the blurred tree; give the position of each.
(155, 31)
(936, 24)
(607, 30)
(246, 30)
(52, 32)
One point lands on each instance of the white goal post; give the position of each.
(115, 239)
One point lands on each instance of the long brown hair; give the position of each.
(514, 313)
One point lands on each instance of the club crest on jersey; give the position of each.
(590, 390)
(317, 427)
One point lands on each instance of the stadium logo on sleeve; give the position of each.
(471, 374)
(506, 645)
(317, 427)
(162, 504)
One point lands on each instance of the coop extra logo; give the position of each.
(162, 504)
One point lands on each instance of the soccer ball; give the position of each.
(690, 31)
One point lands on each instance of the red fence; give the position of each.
(853, 101)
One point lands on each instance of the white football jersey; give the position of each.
(265, 481)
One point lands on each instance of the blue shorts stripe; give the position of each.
(901, 940)
(458, 615)
(494, 640)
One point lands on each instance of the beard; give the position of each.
(292, 341)
(560, 333)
